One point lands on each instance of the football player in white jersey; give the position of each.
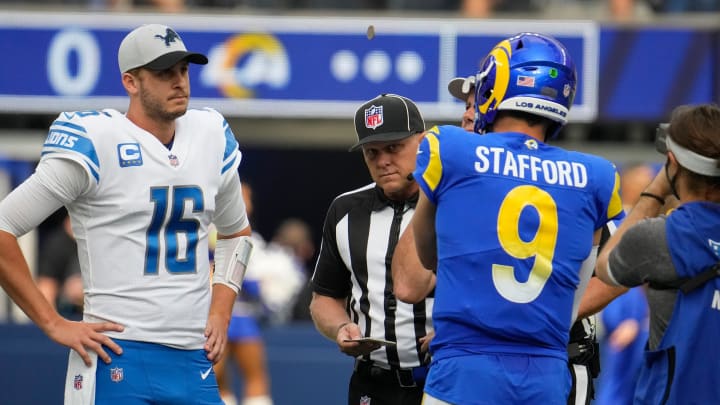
(141, 189)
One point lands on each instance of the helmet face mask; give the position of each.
(529, 72)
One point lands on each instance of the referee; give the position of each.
(352, 283)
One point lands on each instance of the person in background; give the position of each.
(141, 189)
(505, 300)
(625, 320)
(463, 89)
(268, 291)
(295, 235)
(352, 284)
(625, 326)
(634, 178)
(59, 276)
(677, 256)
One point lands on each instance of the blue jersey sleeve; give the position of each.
(608, 192)
(432, 162)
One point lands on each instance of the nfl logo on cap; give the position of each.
(373, 117)
(387, 117)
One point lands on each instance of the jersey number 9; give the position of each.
(541, 247)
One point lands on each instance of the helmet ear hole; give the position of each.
(520, 44)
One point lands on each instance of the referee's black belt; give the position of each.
(404, 377)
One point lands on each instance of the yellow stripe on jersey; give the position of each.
(433, 172)
(615, 205)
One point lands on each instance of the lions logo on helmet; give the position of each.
(529, 72)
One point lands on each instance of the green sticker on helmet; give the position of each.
(553, 73)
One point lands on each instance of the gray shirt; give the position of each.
(643, 256)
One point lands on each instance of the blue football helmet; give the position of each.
(528, 72)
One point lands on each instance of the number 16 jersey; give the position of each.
(142, 223)
(514, 221)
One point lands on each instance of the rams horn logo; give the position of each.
(170, 36)
(245, 62)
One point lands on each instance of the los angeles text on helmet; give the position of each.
(502, 162)
(525, 105)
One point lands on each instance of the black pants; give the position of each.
(584, 361)
(583, 390)
(375, 386)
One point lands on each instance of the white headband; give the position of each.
(692, 161)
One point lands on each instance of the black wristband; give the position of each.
(653, 196)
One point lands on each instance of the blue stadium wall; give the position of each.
(304, 367)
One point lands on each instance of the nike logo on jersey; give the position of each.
(205, 374)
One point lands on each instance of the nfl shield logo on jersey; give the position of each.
(365, 400)
(77, 382)
(373, 117)
(173, 160)
(116, 374)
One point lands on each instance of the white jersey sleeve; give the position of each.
(55, 183)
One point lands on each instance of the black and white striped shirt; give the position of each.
(362, 228)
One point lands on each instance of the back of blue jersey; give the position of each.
(515, 220)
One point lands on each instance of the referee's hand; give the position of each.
(352, 331)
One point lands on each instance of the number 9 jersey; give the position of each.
(141, 224)
(514, 221)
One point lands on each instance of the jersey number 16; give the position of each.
(166, 230)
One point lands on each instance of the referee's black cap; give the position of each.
(387, 117)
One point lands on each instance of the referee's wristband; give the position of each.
(653, 196)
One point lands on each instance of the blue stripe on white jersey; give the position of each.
(64, 135)
(231, 148)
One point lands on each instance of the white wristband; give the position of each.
(231, 260)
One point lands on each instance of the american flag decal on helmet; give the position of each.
(373, 117)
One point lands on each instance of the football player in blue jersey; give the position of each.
(511, 225)
(583, 348)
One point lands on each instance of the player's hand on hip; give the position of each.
(352, 331)
(84, 336)
(216, 334)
